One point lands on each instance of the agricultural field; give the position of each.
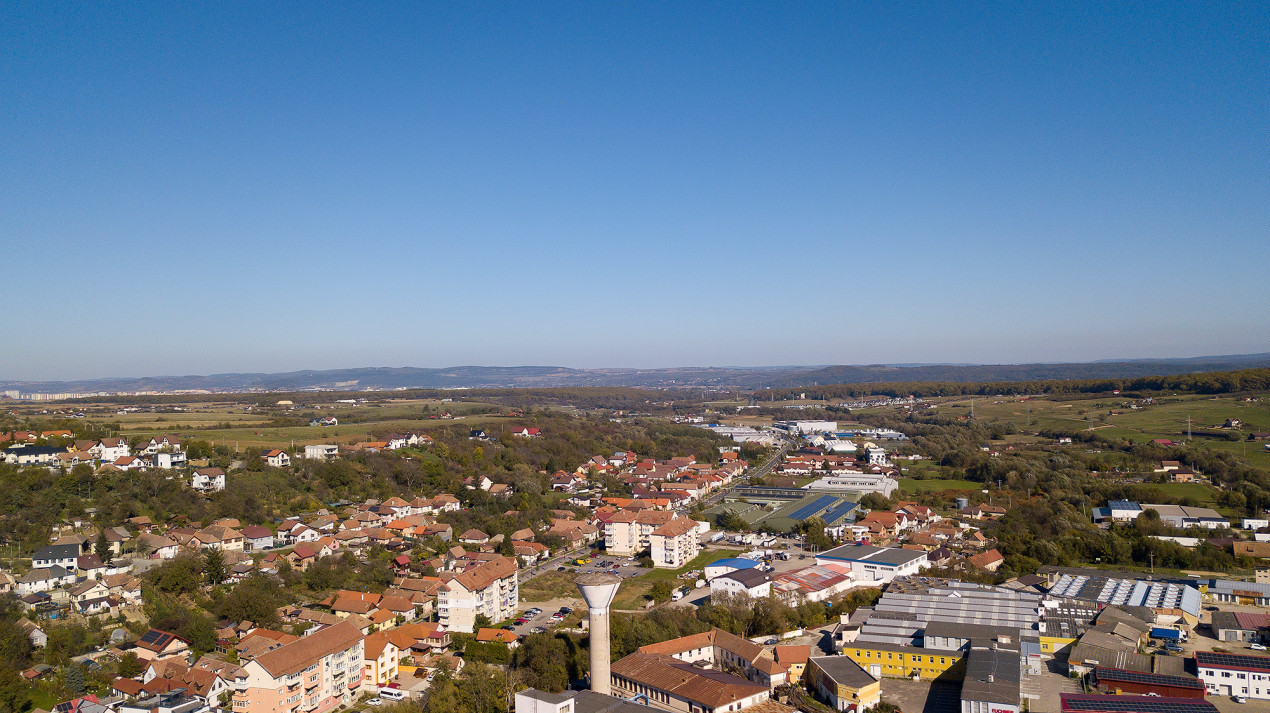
(250, 426)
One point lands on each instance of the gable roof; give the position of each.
(299, 655)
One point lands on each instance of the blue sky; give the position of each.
(197, 188)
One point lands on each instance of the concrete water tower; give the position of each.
(598, 590)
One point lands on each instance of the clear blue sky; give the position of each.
(212, 187)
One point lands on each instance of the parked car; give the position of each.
(1257, 647)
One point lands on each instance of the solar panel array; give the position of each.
(1246, 661)
(1153, 679)
(813, 507)
(1128, 592)
(836, 513)
(1137, 704)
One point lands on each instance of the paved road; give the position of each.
(551, 564)
(762, 470)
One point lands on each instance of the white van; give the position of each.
(392, 694)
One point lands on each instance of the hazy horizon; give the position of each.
(181, 374)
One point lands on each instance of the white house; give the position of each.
(754, 583)
(109, 450)
(321, 451)
(208, 480)
(169, 459)
(276, 458)
(56, 556)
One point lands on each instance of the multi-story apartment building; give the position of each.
(628, 533)
(490, 589)
(674, 544)
(315, 674)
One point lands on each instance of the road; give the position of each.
(551, 564)
(762, 470)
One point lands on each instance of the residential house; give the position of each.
(989, 561)
(257, 538)
(208, 480)
(323, 451)
(156, 645)
(64, 556)
(109, 450)
(379, 659)
(159, 547)
(276, 458)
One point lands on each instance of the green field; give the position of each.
(549, 585)
(634, 592)
(935, 486)
(254, 428)
(1113, 417)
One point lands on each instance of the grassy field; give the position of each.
(635, 592)
(1112, 417)
(1199, 491)
(250, 428)
(935, 486)
(550, 585)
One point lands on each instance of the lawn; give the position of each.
(634, 592)
(1202, 493)
(549, 585)
(935, 486)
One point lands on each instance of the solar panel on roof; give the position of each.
(152, 636)
(813, 507)
(1136, 704)
(1213, 658)
(1158, 679)
(838, 512)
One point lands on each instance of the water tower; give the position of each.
(598, 590)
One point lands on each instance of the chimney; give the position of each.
(598, 590)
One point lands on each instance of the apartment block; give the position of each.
(490, 589)
(314, 674)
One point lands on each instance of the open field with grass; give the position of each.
(548, 586)
(1113, 417)
(635, 592)
(934, 486)
(251, 426)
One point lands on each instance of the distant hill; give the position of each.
(1126, 369)
(745, 378)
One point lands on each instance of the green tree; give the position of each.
(76, 682)
(661, 590)
(214, 566)
(15, 697)
(543, 658)
(129, 665)
(101, 548)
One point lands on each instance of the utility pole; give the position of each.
(1152, 562)
(1188, 427)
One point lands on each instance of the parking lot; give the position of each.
(542, 619)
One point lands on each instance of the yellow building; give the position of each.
(881, 660)
(842, 683)
(1056, 644)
